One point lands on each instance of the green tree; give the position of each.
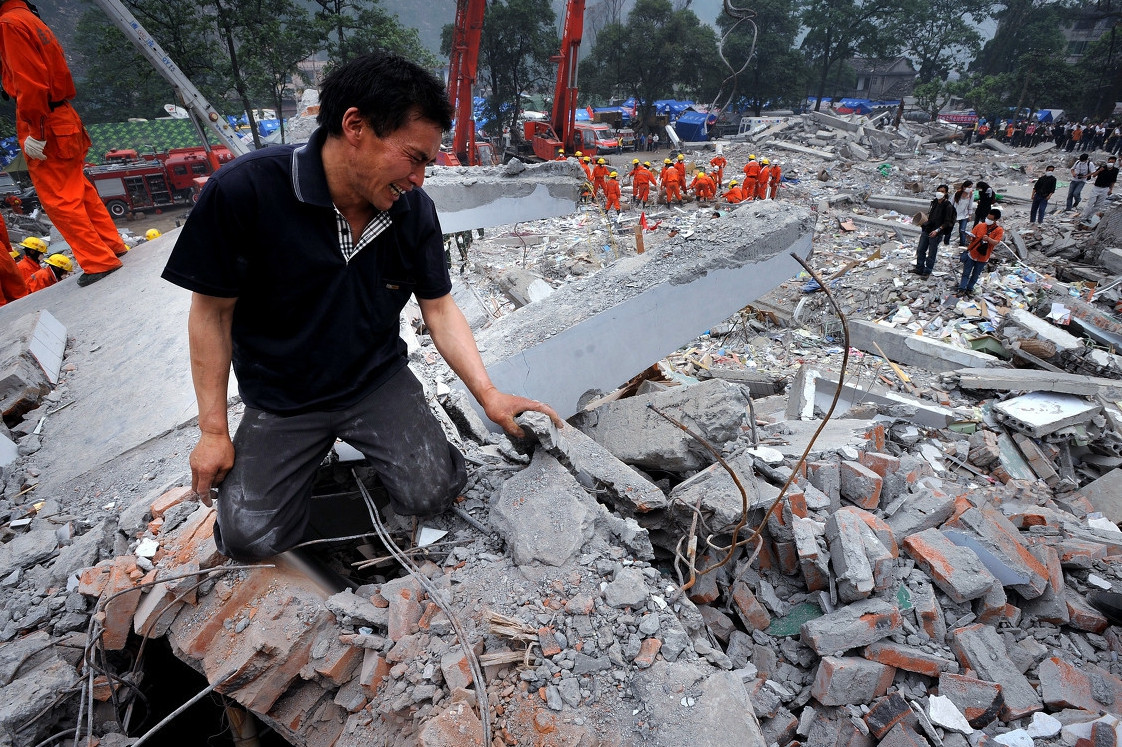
(658, 53)
(361, 26)
(987, 94)
(942, 35)
(838, 29)
(283, 35)
(776, 73)
(936, 94)
(1101, 69)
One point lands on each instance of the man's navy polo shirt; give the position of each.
(311, 331)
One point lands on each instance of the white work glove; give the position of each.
(33, 148)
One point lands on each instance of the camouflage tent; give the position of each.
(153, 135)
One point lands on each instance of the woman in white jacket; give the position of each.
(964, 209)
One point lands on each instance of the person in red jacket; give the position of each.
(986, 236)
(586, 164)
(702, 186)
(719, 162)
(763, 179)
(599, 174)
(12, 285)
(33, 248)
(774, 176)
(672, 183)
(680, 164)
(734, 193)
(751, 174)
(58, 265)
(644, 179)
(636, 167)
(52, 137)
(612, 192)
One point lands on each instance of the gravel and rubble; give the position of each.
(940, 571)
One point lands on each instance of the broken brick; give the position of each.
(170, 500)
(956, 570)
(859, 484)
(980, 701)
(850, 680)
(887, 712)
(751, 612)
(857, 624)
(909, 658)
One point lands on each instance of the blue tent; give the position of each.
(693, 126)
(9, 150)
(671, 107)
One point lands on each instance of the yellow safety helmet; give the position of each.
(647, 164)
(733, 183)
(600, 160)
(61, 261)
(765, 162)
(666, 160)
(587, 159)
(35, 244)
(613, 175)
(152, 233)
(751, 156)
(681, 157)
(560, 151)
(578, 154)
(15, 254)
(634, 160)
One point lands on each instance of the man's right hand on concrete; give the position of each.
(36, 149)
(211, 460)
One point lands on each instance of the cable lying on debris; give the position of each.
(691, 539)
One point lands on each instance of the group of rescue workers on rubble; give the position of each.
(760, 182)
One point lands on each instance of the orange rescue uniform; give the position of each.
(702, 186)
(762, 182)
(751, 173)
(36, 75)
(734, 195)
(28, 267)
(587, 170)
(719, 162)
(611, 191)
(643, 181)
(672, 183)
(599, 173)
(776, 173)
(681, 166)
(12, 283)
(43, 278)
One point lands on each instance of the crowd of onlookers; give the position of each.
(1070, 136)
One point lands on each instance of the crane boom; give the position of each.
(463, 69)
(202, 113)
(565, 90)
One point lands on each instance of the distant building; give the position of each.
(883, 79)
(1087, 27)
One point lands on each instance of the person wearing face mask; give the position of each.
(963, 208)
(986, 236)
(1042, 191)
(939, 223)
(986, 196)
(1105, 177)
(1080, 170)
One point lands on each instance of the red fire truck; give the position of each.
(129, 182)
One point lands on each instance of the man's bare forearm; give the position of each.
(456, 344)
(209, 331)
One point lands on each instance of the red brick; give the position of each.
(156, 610)
(305, 710)
(980, 701)
(456, 670)
(374, 671)
(404, 613)
(901, 736)
(648, 650)
(1064, 685)
(719, 624)
(456, 726)
(887, 712)
(170, 500)
(882, 464)
(787, 556)
(860, 485)
(119, 610)
(879, 527)
(340, 663)
(431, 610)
(1078, 554)
(581, 604)
(704, 590)
(850, 680)
(796, 501)
(93, 579)
(155, 525)
(751, 612)
(875, 435)
(1082, 616)
(548, 641)
(909, 659)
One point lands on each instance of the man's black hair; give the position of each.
(388, 91)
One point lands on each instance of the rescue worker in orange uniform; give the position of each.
(58, 265)
(33, 248)
(12, 283)
(636, 167)
(586, 164)
(733, 194)
(672, 182)
(52, 137)
(751, 174)
(762, 179)
(560, 155)
(680, 164)
(599, 174)
(719, 162)
(644, 179)
(776, 173)
(702, 186)
(612, 192)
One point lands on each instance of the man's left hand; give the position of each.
(502, 408)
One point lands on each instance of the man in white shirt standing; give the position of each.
(1080, 170)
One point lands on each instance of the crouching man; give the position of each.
(300, 260)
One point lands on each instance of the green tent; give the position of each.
(152, 135)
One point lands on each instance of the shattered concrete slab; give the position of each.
(1027, 379)
(625, 318)
(905, 347)
(1041, 413)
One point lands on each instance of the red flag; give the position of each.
(643, 220)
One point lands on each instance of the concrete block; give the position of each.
(714, 409)
(857, 624)
(906, 348)
(909, 658)
(887, 712)
(1105, 494)
(1026, 325)
(720, 498)
(903, 736)
(929, 613)
(1111, 259)
(475, 197)
(600, 326)
(850, 680)
(860, 485)
(836, 732)
(923, 413)
(1091, 688)
(980, 701)
(813, 555)
(982, 649)
(1042, 413)
(1000, 549)
(1033, 380)
(156, 611)
(851, 564)
(595, 467)
(956, 571)
(23, 381)
(833, 122)
(826, 476)
(542, 513)
(924, 509)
